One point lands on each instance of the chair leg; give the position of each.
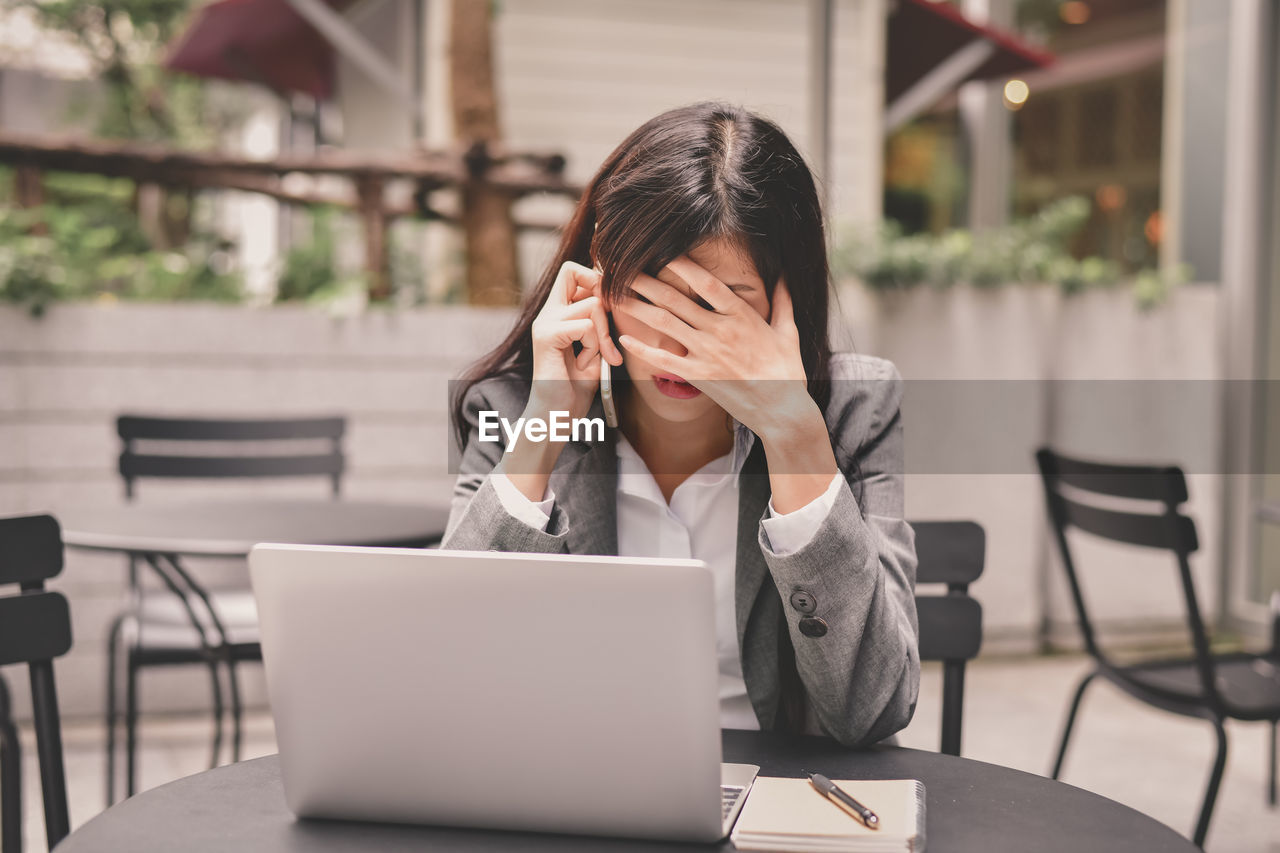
(10, 790)
(1271, 776)
(1071, 721)
(237, 710)
(10, 781)
(216, 683)
(113, 662)
(131, 726)
(1215, 779)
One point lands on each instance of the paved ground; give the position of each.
(1151, 761)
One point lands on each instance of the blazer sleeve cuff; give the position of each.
(789, 532)
(536, 514)
(487, 525)
(841, 540)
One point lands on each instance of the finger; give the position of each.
(783, 314)
(588, 355)
(656, 356)
(665, 296)
(584, 289)
(570, 278)
(580, 309)
(659, 319)
(608, 349)
(706, 285)
(592, 307)
(582, 330)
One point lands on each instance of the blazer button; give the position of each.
(804, 601)
(812, 626)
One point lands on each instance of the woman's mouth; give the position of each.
(674, 386)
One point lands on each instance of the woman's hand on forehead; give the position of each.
(751, 366)
(675, 292)
(700, 285)
(667, 277)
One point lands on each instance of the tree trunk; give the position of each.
(28, 191)
(492, 274)
(374, 220)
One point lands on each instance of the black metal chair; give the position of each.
(951, 553)
(35, 628)
(193, 626)
(1089, 496)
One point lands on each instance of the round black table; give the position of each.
(971, 806)
(230, 528)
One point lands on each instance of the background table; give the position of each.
(971, 806)
(230, 528)
(165, 535)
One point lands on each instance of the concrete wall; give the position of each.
(1093, 376)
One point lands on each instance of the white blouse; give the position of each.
(700, 523)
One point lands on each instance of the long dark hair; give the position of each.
(689, 175)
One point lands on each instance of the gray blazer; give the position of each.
(860, 678)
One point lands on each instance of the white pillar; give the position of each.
(254, 217)
(856, 184)
(988, 132)
(1245, 242)
(1172, 145)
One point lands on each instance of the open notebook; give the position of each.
(789, 814)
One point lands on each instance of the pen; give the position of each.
(832, 792)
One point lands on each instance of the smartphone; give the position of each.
(606, 373)
(606, 394)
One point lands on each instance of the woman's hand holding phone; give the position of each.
(562, 380)
(573, 313)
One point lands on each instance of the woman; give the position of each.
(695, 265)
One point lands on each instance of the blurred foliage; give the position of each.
(87, 241)
(311, 273)
(140, 100)
(309, 269)
(1034, 250)
(87, 244)
(1038, 17)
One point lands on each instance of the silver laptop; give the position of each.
(508, 691)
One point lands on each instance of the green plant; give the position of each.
(308, 267)
(310, 273)
(126, 41)
(1032, 250)
(94, 248)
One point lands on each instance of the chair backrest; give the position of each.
(35, 628)
(952, 553)
(1133, 504)
(179, 447)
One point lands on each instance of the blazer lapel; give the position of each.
(753, 500)
(587, 490)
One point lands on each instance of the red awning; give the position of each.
(260, 41)
(922, 34)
